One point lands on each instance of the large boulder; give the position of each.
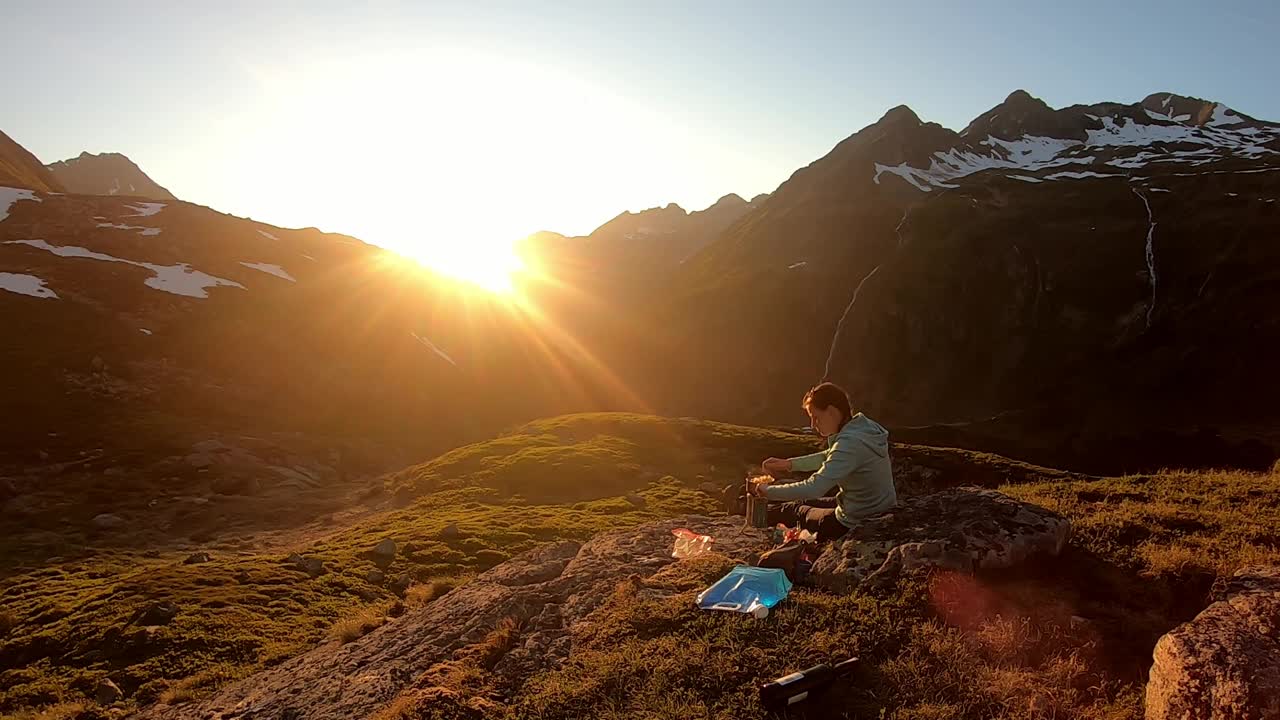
(964, 529)
(546, 592)
(1225, 663)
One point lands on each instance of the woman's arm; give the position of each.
(840, 460)
(808, 463)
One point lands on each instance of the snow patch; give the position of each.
(1028, 152)
(1072, 175)
(268, 235)
(1156, 189)
(146, 209)
(309, 258)
(25, 285)
(1025, 178)
(434, 348)
(178, 279)
(144, 331)
(1231, 194)
(270, 270)
(149, 231)
(793, 266)
(1223, 115)
(9, 196)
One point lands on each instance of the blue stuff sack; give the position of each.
(746, 589)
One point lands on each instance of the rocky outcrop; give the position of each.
(546, 592)
(1226, 662)
(964, 529)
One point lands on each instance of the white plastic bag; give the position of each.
(690, 543)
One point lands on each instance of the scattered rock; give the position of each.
(151, 554)
(197, 558)
(8, 490)
(208, 447)
(296, 476)
(963, 529)
(107, 692)
(636, 500)
(236, 485)
(713, 489)
(384, 553)
(375, 577)
(403, 497)
(450, 531)
(309, 565)
(107, 521)
(161, 613)
(400, 585)
(1225, 663)
(199, 460)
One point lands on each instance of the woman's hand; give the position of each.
(776, 465)
(758, 486)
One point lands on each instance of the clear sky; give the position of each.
(418, 124)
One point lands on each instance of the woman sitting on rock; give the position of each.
(856, 461)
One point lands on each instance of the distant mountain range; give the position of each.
(1087, 287)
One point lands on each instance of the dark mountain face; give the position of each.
(107, 174)
(20, 169)
(1085, 286)
(140, 327)
(1098, 269)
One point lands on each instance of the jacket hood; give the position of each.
(870, 433)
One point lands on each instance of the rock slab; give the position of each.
(963, 529)
(547, 591)
(1225, 663)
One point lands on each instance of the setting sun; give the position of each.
(491, 265)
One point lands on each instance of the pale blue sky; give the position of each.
(416, 124)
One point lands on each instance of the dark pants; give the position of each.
(817, 516)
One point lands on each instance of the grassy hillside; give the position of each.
(1070, 638)
(68, 624)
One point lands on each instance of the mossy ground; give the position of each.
(1071, 638)
(67, 625)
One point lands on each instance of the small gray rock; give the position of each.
(161, 613)
(375, 577)
(385, 549)
(400, 585)
(206, 447)
(197, 558)
(107, 521)
(313, 567)
(450, 531)
(199, 460)
(107, 692)
(636, 500)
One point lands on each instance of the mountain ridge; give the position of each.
(107, 174)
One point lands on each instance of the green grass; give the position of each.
(67, 625)
(1071, 638)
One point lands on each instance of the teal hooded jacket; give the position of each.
(856, 460)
